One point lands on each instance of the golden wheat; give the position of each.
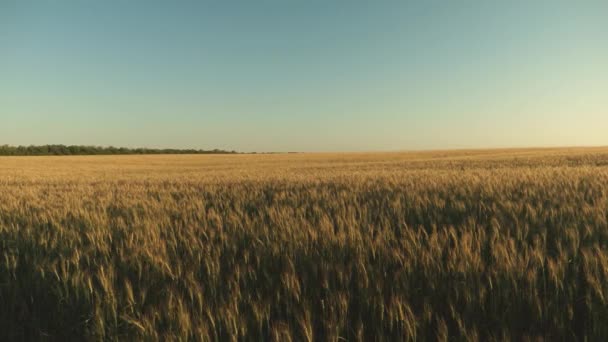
(465, 245)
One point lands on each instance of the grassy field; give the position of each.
(461, 245)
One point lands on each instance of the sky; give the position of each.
(304, 75)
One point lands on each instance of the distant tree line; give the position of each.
(63, 150)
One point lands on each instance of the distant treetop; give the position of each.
(63, 150)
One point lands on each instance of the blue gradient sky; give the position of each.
(304, 75)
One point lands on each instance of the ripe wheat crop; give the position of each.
(425, 246)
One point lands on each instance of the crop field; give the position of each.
(486, 245)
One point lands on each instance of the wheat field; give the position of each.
(486, 245)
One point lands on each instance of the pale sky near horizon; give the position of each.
(304, 75)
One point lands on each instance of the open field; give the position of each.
(467, 245)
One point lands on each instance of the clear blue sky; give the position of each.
(304, 75)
